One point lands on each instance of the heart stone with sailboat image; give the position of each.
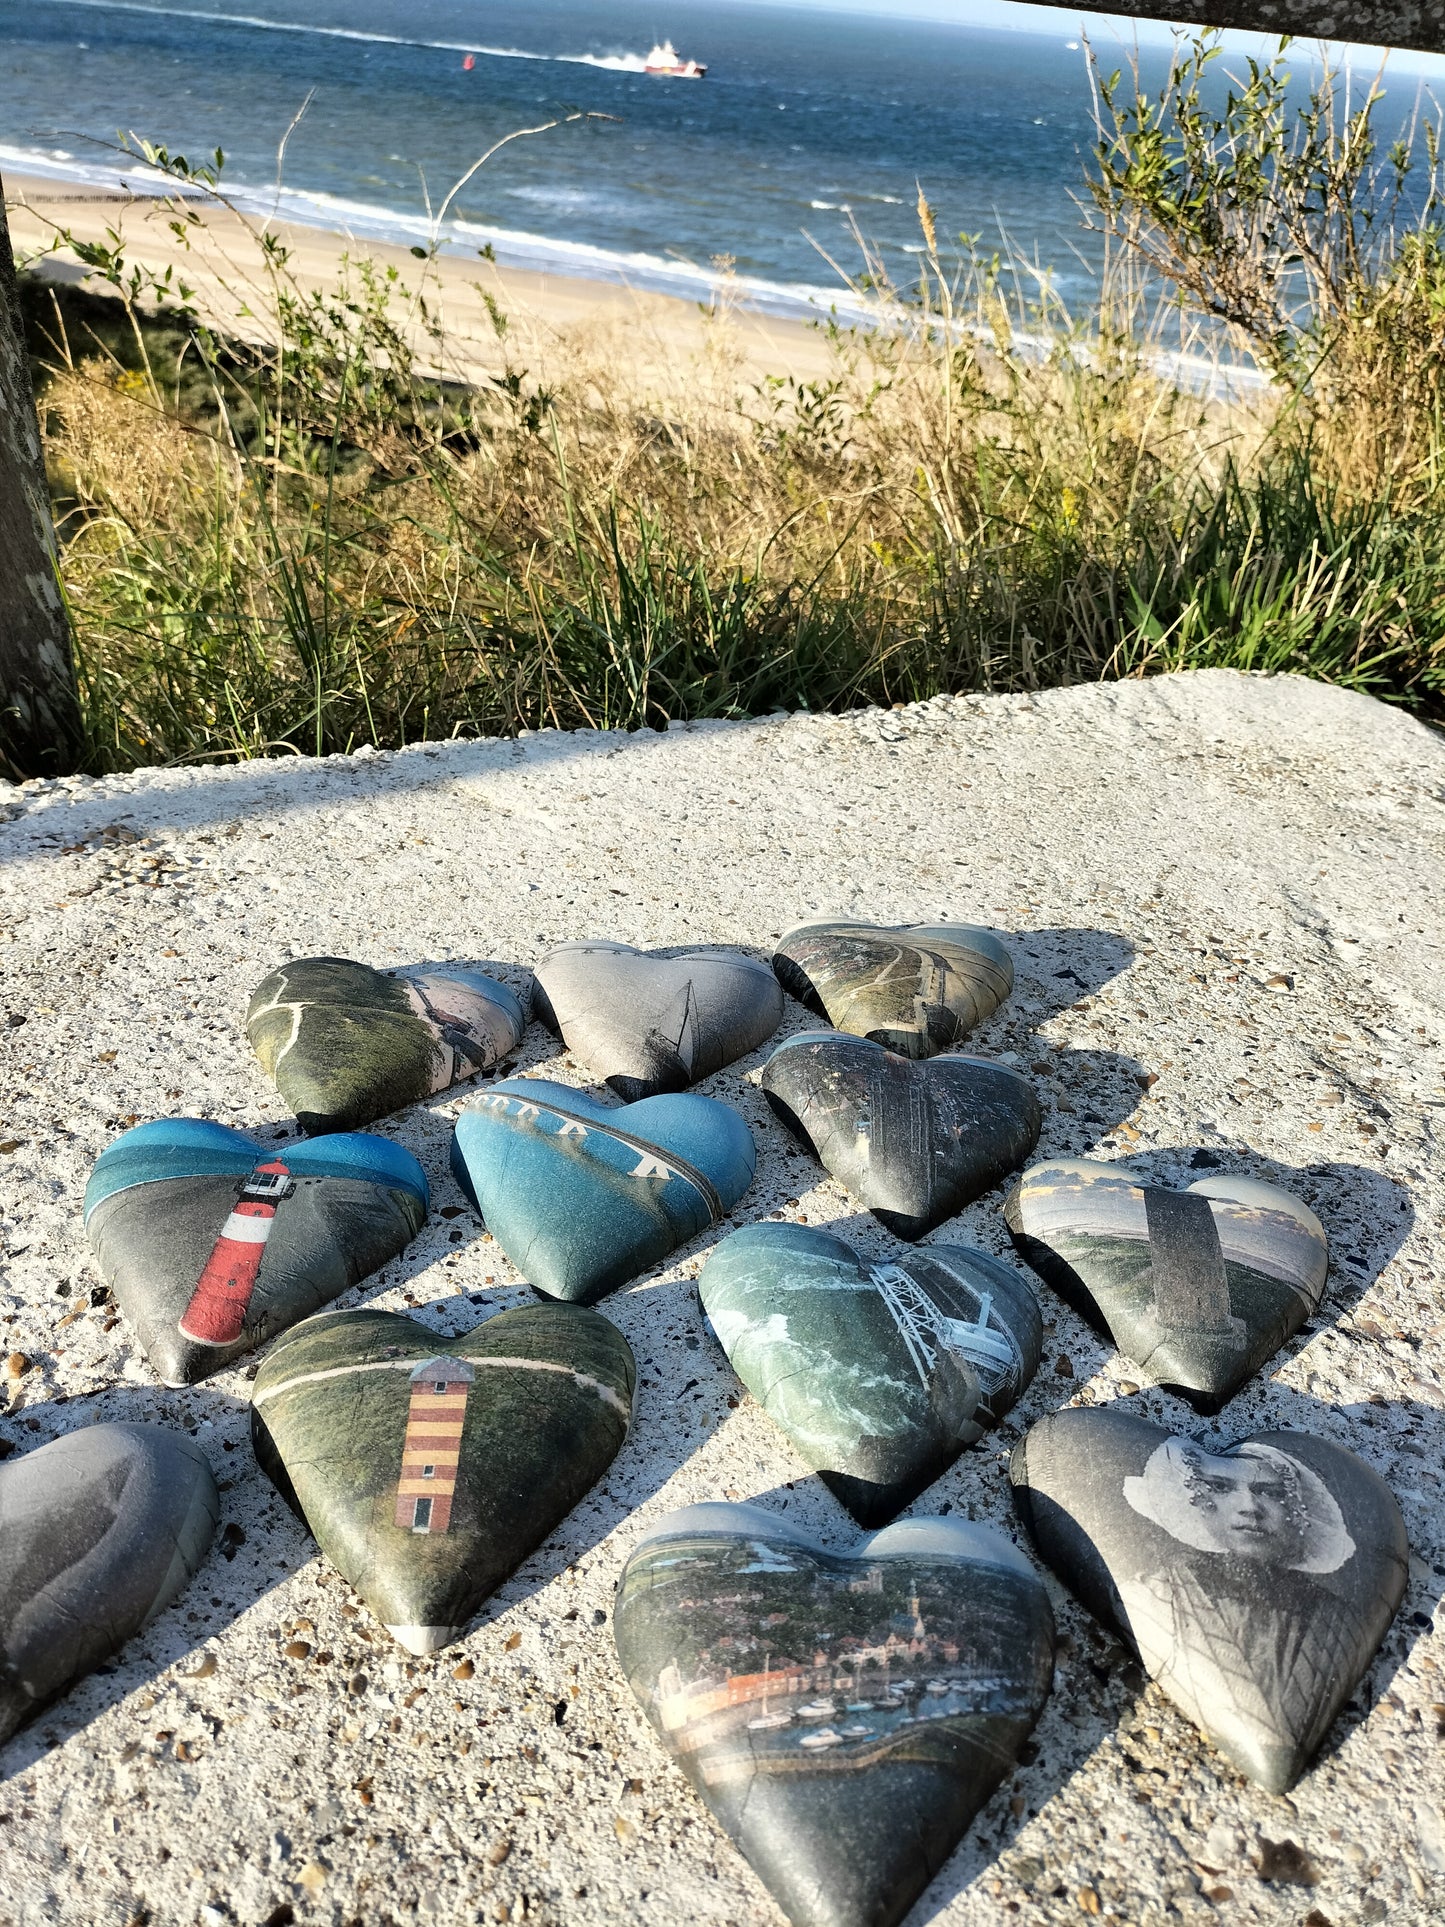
(879, 1372)
(649, 1021)
(915, 989)
(1198, 1287)
(915, 1142)
(213, 1243)
(346, 1044)
(429, 1467)
(842, 1714)
(582, 1196)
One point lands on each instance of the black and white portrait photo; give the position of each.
(1255, 1578)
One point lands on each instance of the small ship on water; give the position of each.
(664, 60)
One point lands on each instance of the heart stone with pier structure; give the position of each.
(1198, 1287)
(914, 1142)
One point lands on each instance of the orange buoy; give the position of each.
(469, 63)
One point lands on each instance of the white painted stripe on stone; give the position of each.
(248, 1230)
(584, 1379)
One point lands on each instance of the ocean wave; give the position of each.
(621, 63)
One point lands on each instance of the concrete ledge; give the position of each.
(1228, 884)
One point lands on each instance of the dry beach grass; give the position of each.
(308, 514)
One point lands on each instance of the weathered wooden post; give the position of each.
(1418, 24)
(39, 712)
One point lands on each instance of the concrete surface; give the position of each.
(1227, 885)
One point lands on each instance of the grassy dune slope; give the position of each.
(319, 540)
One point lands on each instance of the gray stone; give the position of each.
(647, 1022)
(99, 1531)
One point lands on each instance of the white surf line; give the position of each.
(611, 63)
(584, 1379)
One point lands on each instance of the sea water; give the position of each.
(811, 129)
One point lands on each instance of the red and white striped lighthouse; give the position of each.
(432, 1448)
(218, 1305)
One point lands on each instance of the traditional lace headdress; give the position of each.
(1170, 1493)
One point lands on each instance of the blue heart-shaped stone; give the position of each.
(213, 1243)
(583, 1196)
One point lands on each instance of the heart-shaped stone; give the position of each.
(647, 1021)
(583, 1196)
(880, 1374)
(429, 1467)
(1198, 1287)
(213, 1243)
(346, 1043)
(1255, 1580)
(916, 989)
(914, 1142)
(99, 1531)
(843, 1716)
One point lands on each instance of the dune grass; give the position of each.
(318, 540)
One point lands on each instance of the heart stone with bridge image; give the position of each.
(879, 1373)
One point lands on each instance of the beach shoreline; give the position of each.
(664, 339)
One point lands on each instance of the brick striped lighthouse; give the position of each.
(432, 1447)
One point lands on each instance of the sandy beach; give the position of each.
(552, 320)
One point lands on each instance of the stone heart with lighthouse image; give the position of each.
(429, 1467)
(880, 1373)
(583, 1196)
(1198, 1287)
(842, 1714)
(1254, 1579)
(213, 1243)
(915, 1142)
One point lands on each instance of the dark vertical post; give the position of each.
(39, 712)
(1386, 23)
